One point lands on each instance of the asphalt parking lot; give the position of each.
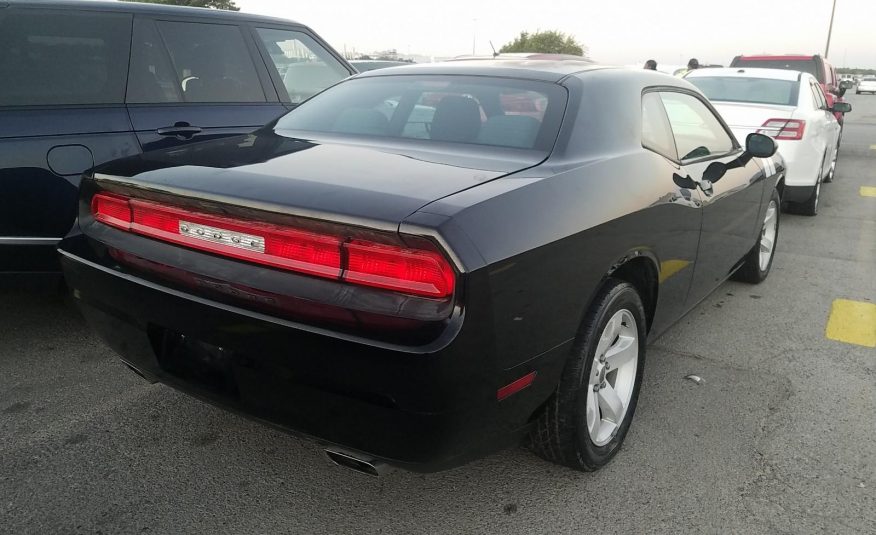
(777, 439)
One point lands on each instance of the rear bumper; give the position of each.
(424, 408)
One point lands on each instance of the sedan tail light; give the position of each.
(790, 129)
(422, 272)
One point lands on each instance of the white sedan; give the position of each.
(866, 85)
(789, 106)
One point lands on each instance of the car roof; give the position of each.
(780, 57)
(746, 72)
(533, 69)
(146, 9)
(521, 55)
(393, 61)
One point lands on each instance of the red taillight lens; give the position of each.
(397, 268)
(402, 269)
(790, 129)
(112, 210)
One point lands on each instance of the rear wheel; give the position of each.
(585, 422)
(810, 206)
(759, 260)
(832, 170)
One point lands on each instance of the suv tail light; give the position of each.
(422, 272)
(790, 129)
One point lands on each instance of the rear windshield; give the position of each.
(869, 80)
(472, 110)
(755, 90)
(804, 65)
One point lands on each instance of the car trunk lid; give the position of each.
(744, 119)
(333, 179)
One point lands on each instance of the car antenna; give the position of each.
(494, 49)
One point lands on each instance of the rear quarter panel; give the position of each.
(548, 237)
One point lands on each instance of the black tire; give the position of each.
(750, 271)
(560, 434)
(810, 206)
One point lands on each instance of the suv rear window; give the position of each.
(804, 65)
(457, 109)
(755, 90)
(63, 58)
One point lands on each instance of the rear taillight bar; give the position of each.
(408, 270)
(790, 129)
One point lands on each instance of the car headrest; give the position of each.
(517, 131)
(456, 119)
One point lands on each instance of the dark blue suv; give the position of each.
(82, 83)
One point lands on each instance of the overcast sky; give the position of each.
(615, 31)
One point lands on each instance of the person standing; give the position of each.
(692, 65)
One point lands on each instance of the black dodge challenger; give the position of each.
(424, 264)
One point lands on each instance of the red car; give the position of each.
(815, 65)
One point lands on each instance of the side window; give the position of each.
(63, 58)
(656, 132)
(151, 79)
(305, 67)
(698, 133)
(211, 62)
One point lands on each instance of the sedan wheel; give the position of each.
(832, 170)
(810, 207)
(584, 424)
(757, 263)
(768, 235)
(612, 376)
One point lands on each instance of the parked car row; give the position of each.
(416, 266)
(791, 107)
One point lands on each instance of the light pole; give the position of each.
(474, 35)
(830, 30)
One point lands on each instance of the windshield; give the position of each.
(754, 90)
(472, 110)
(804, 65)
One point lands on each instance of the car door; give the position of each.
(676, 216)
(194, 80)
(731, 187)
(62, 87)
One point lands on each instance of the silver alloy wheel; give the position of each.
(768, 232)
(612, 377)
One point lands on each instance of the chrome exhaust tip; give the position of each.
(370, 467)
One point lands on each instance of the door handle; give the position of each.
(181, 129)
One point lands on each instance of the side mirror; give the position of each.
(841, 107)
(760, 145)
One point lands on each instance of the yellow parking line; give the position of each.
(868, 191)
(852, 322)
